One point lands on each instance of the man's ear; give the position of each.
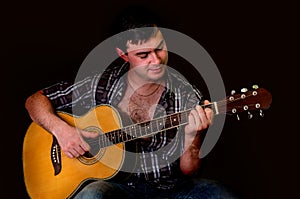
(122, 54)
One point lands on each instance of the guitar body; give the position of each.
(49, 173)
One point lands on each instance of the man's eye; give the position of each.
(158, 49)
(143, 56)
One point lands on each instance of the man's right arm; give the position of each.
(42, 112)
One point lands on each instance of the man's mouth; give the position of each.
(155, 68)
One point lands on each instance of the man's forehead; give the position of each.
(151, 43)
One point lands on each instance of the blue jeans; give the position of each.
(193, 189)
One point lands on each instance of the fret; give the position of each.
(127, 132)
(105, 140)
(116, 137)
(160, 124)
(120, 136)
(101, 141)
(150, 127)
(168, 122)
(111, 136)
(147, 128)
(154, 126)
(125, 136)
(129, 136)
(139, 130)
(175, 119)
(133, 127)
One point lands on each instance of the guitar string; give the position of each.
(110, 137)
(105, 138)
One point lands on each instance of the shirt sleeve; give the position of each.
(76, 98)
(58, 94)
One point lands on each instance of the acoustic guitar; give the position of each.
(49, 173)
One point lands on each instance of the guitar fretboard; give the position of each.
(147, 128)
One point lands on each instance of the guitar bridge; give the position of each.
(55, 156)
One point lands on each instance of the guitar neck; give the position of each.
(150, 127)
(252, 100)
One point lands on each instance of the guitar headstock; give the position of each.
(256, 99)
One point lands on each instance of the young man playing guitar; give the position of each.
(142, 88)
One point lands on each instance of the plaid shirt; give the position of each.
(158, 157)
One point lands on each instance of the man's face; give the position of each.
(148, 60)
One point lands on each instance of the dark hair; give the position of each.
(135, 24)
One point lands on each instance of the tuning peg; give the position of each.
(250, 115)
(244, 90)
(261, 113)
(234, 111)
(237, 117)
(255, 86)
(232, 92)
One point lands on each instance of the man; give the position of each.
(142, 88)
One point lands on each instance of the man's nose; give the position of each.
(155, 59)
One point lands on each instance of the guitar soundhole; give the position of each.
(88, 155)
(96, 152)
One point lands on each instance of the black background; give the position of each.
(251, 43)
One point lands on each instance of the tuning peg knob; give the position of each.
(255, 86)
(250, 115)
(232, 92)
(261, 113)
(244, 90)
(237, 117)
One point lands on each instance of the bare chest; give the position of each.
(139, 107)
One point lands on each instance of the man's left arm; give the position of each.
(199, 120)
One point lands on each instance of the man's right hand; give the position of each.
(71, 140)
